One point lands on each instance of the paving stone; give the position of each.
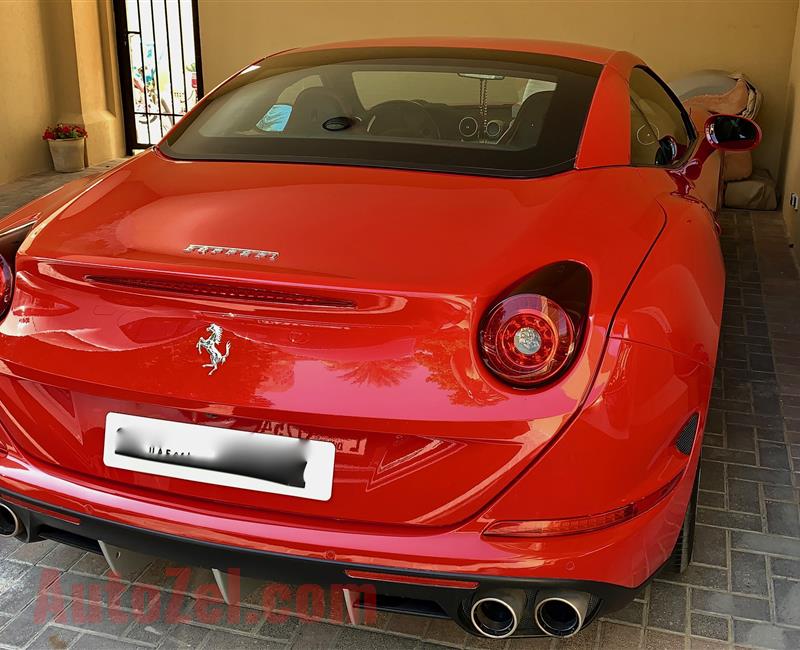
(284, 630)
(764, 635)
(91, 564)
(10, 572)
(715, 422)
(783, 518)
(152, 630)
(616, 635)
(702, 576)
(760, 474)
(316, 636)
(771, 544)
(88, 641)
(743, 496)
(32, 553)
(699, 643)
(88, 588)
(770, 434)
(96, 617)
(729, 519)
(657, 640)
(53, 637)
(632, 613)
(25, 588)
(443, 631)
(779, 493)
(517, 644)
(712, 476)
(7, 546)
(783, 567)
(27, 623)
(175, 577)
(62, 557)
(233, 618)
(184, 636)
(787, 601)
(710, 546)
(749, 573)
(667, 607)
(223, 640)
(713, 627)
(405, 624)
(351, 637)
(729, 455)
(762, 362)
(716, 602)
(711, 499)
(773, 455)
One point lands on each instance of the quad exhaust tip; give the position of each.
(561, 613)
(496, 615)
(10, 525)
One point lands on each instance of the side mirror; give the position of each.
(723, 133)
(732, 133)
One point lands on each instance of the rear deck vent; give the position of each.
(223, 291)
(685, 440)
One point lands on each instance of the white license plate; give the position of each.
(218, 456)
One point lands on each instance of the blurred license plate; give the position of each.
(218, 456)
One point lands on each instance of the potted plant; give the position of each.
(66, 146)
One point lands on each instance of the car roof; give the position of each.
(589, 53)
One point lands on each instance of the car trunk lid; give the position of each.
(362, 331)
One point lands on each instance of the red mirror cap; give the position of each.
(731, 145)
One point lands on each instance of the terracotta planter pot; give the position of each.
(67, 154)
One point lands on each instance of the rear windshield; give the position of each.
(440, 109)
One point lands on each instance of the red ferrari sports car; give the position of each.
(435, 319)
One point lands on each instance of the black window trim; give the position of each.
(687, 122)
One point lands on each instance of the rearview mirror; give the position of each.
(723, 133)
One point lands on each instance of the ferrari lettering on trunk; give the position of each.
(202, 249)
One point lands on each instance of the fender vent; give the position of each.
(685, 439)
(214, 291)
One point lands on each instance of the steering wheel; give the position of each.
(401, 118)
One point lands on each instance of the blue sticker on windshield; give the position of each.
(275, 118)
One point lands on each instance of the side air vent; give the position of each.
(214, 291)
(685, 440)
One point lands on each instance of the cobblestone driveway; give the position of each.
(743, 588)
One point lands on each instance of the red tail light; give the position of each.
(10, 241)
(528, 339)
(533, 332)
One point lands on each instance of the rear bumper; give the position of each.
(431, 593)
(620, 448)
(626, 554)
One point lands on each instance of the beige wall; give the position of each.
(791, 161)
(25, 94)
(674, 37)
(57, 63)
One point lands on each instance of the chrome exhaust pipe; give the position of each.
(561, 613)
(497, 614)
(10, 525)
